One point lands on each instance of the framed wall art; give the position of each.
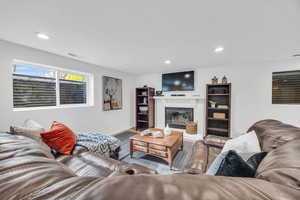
(112, 93)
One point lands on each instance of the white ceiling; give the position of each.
(137, 36)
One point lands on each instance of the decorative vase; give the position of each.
(167, 130)
(214, 80)
(224, 80)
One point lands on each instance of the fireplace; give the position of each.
(177, 117)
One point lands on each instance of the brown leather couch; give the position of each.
(271, 134)
(27, 173)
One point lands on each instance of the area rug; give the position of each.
(179, 161)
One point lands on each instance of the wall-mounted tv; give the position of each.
(179, 81)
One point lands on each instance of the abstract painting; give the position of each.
(112, 93)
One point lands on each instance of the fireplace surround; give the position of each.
(177, 117)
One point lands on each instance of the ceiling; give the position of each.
(137, 36)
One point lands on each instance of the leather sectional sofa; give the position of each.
(27, 173)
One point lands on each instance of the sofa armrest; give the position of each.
(198, 161)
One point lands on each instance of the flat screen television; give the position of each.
(179, 81)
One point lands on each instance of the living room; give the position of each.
(88, 88)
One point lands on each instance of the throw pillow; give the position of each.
(247, 143)
(32, 129)
(255, 160)
(60, 137)
(215, 165)
(29, 123)
(234, 165)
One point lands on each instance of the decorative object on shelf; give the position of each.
(145, 86)
(167, 130)
(143, 109)
(112, 93)
(144, 93)
(224, 80)
(212, 104)
(158, 93)
(191, 128)
(214, 80)
(223, 106)
(145, 100)
(219, 115)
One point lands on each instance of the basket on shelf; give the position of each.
(191, 128)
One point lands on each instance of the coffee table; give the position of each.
(164, 148)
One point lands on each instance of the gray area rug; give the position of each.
(179, 161)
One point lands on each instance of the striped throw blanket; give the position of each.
(98, 143)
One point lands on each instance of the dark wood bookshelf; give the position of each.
(218, 94)
(221, 94)
(144, 98)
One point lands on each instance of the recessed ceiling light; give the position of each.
(219, 49)
(168, 62)
(42, 36)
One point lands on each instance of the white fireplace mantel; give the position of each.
(189, 101)
(197, 98)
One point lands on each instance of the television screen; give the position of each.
(180, 81)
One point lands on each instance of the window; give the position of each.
(39, 86)
(286, 87)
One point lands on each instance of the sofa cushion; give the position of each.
(273, 133)
(60, 137)
(282, 165)
(87, 164)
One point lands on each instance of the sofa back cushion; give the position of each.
(272, 133)
(282, 165)
(60, 137)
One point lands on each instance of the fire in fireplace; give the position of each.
(178, 117)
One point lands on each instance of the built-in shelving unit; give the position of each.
(145, 107)
(221, 95)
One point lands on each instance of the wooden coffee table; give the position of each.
(164, 148)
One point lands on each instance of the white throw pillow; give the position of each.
(29, 123)
(33, 130)
(247, 143)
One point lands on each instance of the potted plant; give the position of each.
(212, 104)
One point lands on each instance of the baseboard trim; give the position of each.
(121, 131)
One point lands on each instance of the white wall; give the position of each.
(79, 119)
(251, 92)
